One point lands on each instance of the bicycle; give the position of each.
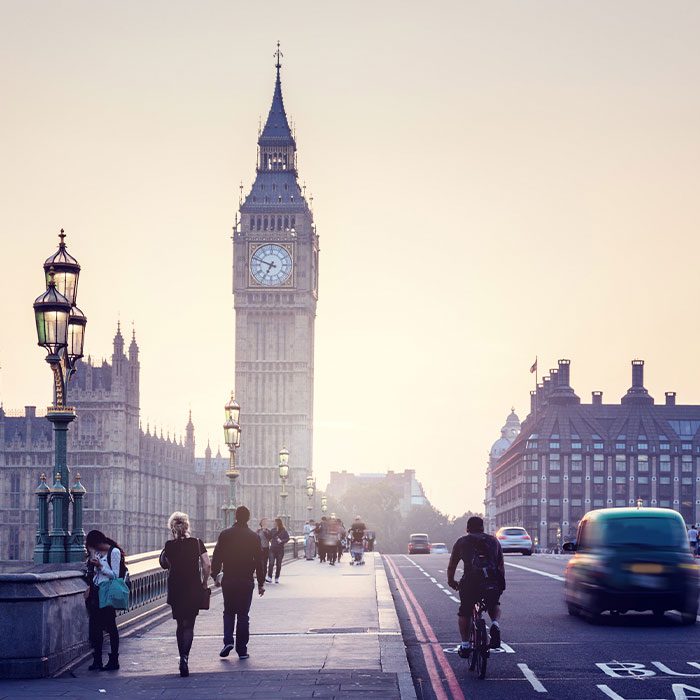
(480, 650)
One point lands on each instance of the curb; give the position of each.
(392, 651)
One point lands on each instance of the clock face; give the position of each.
(271, 265)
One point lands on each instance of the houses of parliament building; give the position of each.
(134, 479)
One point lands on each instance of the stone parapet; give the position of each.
(43, 624)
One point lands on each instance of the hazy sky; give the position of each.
(492, 180)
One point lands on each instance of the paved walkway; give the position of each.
(327, 632)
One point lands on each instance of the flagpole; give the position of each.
(537, 381)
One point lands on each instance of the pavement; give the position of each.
(546, 652)
(326, 632)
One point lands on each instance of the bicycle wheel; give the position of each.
(475, 644)
(481, 651)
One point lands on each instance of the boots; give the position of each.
(184, 668)
(96, 662)
(112, 664)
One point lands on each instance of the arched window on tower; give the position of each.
(252, 223)
(259, 223)
(286, 223)
(279, 222)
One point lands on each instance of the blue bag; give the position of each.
(114, 593)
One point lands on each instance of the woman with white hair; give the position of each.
(188, 566)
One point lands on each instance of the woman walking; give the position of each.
(188, 566)
(263, 533)
(278, 538)
(105, 562)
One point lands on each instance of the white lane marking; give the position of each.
(456, 600)
(439, 585)
(444, 590)
(556, 577)
(433, 579)
(532, 678)
(507, 648)
(425, 573)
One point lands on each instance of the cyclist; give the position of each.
(484, 578)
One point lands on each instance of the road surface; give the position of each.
(546, 653)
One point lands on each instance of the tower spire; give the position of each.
(278, 55)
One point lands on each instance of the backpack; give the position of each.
(482, 568)
(123, 571)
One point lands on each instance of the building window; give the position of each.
(665, 463)
(664, 445)
(13, 543)
(576, 463)
(597, 441)
(642, 443)
(643, 480)
(14, 491)
(553, 444)
(664, 479)
(686, 463)
(643, 463)
(620, 463)
(554, 464)
(687, 447)
(598, 463)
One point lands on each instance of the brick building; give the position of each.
(572, 457)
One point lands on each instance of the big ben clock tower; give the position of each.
(275, 289)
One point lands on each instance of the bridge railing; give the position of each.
(149, 582)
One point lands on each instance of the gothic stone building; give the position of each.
(134, 479)
(275, 285)
(572, 457)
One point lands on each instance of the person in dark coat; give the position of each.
(238, 552)
(278, 538)
(264, 535)
(188, 566)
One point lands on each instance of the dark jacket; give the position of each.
(278, 538)
(238, 552)
(464, 550)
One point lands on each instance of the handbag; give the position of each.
(114, 593)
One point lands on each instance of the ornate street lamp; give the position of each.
(232, 437)
(60, 327)
(284, 473)
(324, 504)
(310, 490)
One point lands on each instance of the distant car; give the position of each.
(514, 539)
(418, 543)
(631, 559)
(438, 548)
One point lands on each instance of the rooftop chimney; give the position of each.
(563, 393)
(597, 398)
(637, 393)
(670, 398)
(533, 402)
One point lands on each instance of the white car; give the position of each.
(515, 539)
(438, 548)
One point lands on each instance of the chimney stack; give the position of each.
(597, 398)
(638, 374)
(533, 402)
(637, 393)
(670, 398)
(563, 372)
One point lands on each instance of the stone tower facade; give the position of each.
(275, 286)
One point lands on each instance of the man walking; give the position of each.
(238, 552)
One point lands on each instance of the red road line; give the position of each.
(404, 592)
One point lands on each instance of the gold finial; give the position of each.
(62, 236)
(77, 476)
(58, 477)
(42, 478)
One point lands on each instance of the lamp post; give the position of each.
(232, 437)
(284, 473)
(60, 327)
(324, 504)
(310, 489)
